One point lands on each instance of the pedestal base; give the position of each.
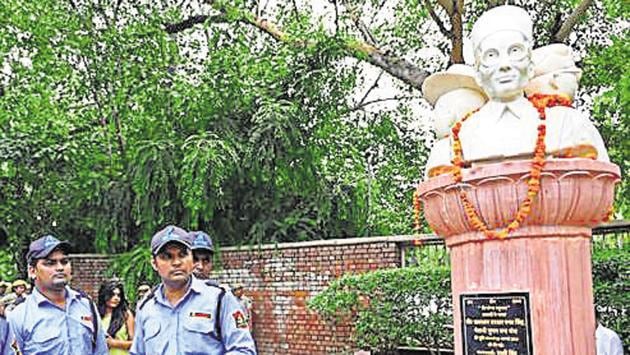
(553, 265)
(548, 259)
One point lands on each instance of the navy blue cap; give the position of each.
(201, 240)
(167, 235)
(42, 247)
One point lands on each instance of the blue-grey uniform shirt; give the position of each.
(42, 328)
(188, 328)
(5, 337)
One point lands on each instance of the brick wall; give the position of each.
(88, 272)
(281, 279)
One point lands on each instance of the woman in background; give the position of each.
(116, 317)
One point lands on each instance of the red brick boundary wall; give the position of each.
(281, 279)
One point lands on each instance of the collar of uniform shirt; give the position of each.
(39, 298)
(195, 285)
(521, 108)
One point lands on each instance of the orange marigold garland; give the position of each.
(540, 102)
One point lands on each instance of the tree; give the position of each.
(257, 123)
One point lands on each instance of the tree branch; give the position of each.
(457, 53)
(447, 5)
(399, 68)
(371, 102)
(374, 85)
(191, 22)
(365, 31)
(573, 18)
(427, 5)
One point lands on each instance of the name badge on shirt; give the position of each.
(86, 318)
(200, 315)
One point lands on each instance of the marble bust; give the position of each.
(555, 72)
(453, 94)
(506, 126)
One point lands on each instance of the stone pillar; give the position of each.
(548, 259)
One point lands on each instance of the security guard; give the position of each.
(55, 319)
(203, 251)
(185, 315)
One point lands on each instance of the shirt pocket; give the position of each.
(44, 340)
(200, 335)
(152, 339)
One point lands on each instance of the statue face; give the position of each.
(504, 65)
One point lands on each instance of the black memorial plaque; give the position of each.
(496, 324)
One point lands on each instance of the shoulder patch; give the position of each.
(239, 319)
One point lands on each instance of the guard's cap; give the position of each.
(42, 247)
(167, 235)
(201, 240)
(501, 18)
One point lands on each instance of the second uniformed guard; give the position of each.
(185, 315)
(203, 251)
(55, 319)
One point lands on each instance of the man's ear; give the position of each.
(31, 271)
(153, 265)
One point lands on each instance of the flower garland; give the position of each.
(540, 102)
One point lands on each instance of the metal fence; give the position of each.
(611, 234)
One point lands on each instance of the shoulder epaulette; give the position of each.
(149, 296)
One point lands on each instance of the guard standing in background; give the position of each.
(203, 252)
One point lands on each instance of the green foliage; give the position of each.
(8, 271)
(611, 107)
(392, 308)
(611, 284)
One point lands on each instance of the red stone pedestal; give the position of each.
(549, 257)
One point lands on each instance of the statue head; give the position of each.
(555, 72)
(453, 93)
(502, 45)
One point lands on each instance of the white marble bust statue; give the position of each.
(453, 94)
(555, 72)
(506, 126)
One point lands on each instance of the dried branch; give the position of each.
(573, 18)
(447, 33)
(374, 85)
(371, 102)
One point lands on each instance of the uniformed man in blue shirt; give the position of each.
(185, 315)
(55, 319)
(203, 252)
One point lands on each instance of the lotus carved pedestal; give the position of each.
(548, 258)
